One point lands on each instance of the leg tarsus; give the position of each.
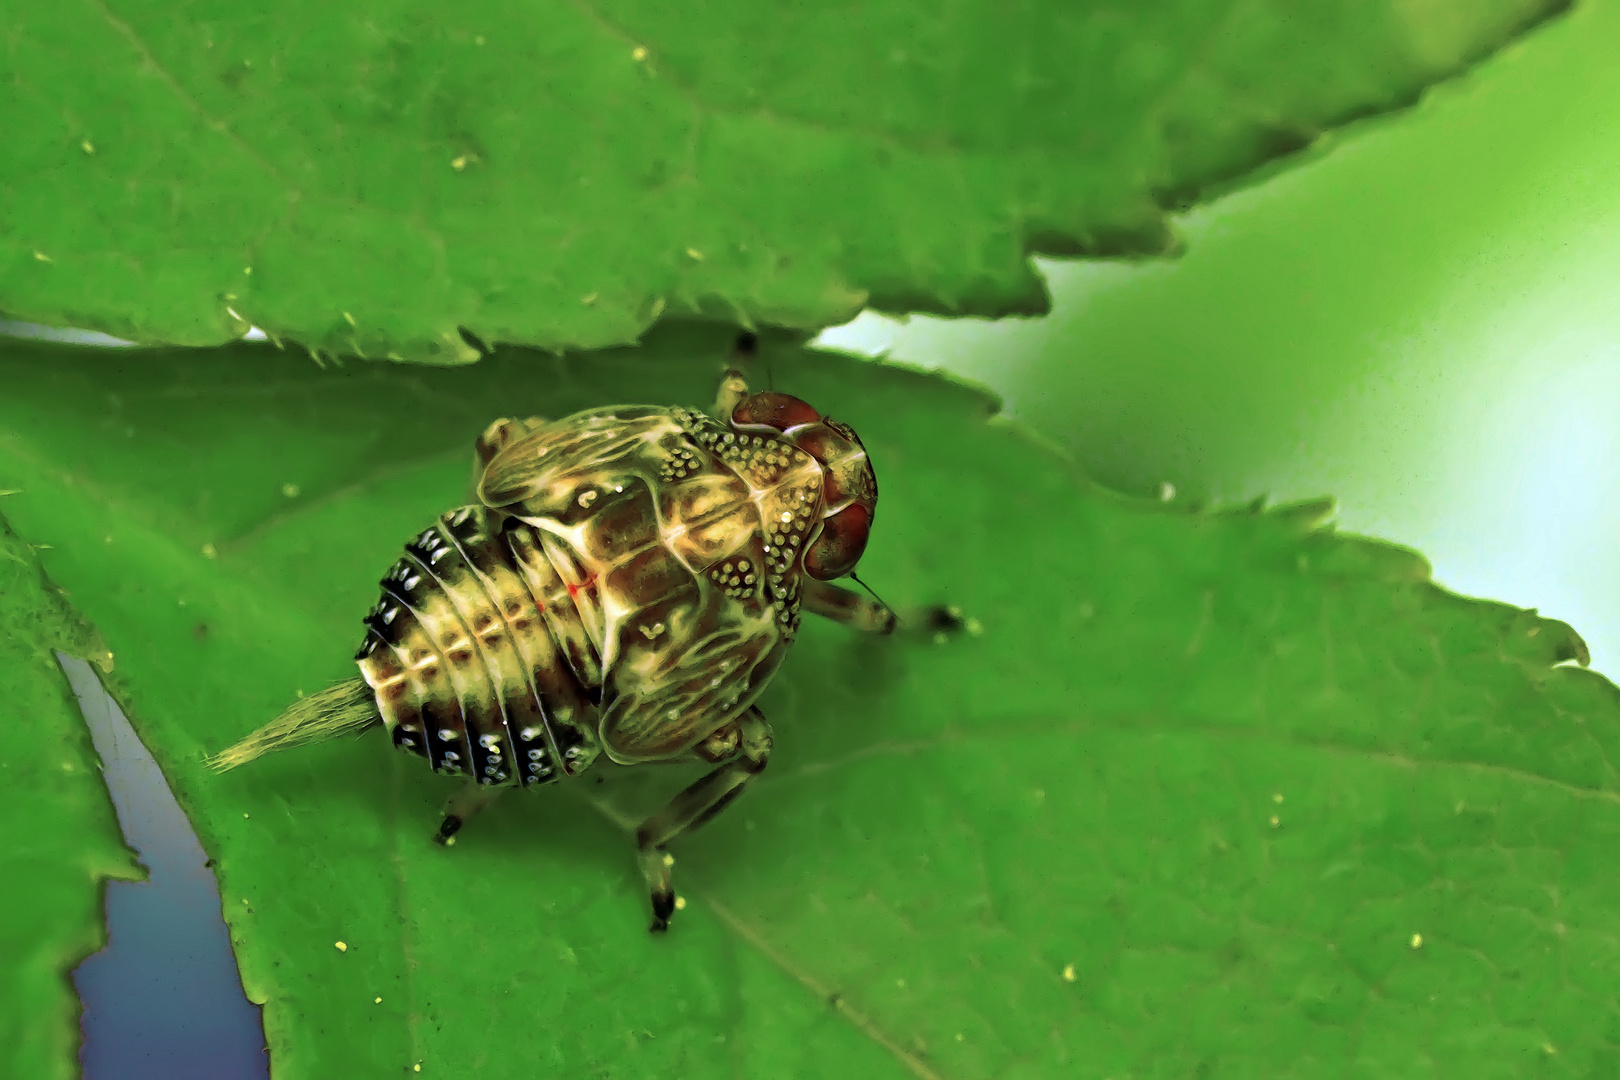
(663, 906)
(463, 806)
(447, 830)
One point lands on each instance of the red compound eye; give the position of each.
(776, 411)
(837, 548)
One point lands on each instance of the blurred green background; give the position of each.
(1423, 319)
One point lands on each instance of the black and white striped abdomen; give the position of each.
(478, 657)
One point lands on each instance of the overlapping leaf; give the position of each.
(1225, 795)
(371, 176)
(58, 838)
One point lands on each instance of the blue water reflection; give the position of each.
(163, 1000)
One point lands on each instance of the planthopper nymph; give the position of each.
(626, 585)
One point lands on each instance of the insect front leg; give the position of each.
(744, 748)
(847, 607)
(462, 807)
(873, 616)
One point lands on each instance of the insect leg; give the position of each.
(463, 805)
(748, 743)
(863, 613)
(733, 388)
(847, 607)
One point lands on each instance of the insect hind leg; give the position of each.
(463, 806)
(747, 744)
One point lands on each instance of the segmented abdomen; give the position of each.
(478, 656)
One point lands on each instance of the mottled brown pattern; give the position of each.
(629, 585)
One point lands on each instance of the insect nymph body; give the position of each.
(626, 586)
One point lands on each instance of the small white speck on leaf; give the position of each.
(588, 299)
(41, 256)
(1417, 941)
(1276, 797)
(377, 1001)
(680, 903)
(639, 53)
(340, 946)
(694, 254)
(1275, 821)
(669, 860)
(87, 146)
(1068, 973)
(1167, 491)
(350, 319)
(1533, 631)
(208, 550)
(290, 490)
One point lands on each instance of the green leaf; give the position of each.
(371, 177)
(1222, 794)
(61, 839)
